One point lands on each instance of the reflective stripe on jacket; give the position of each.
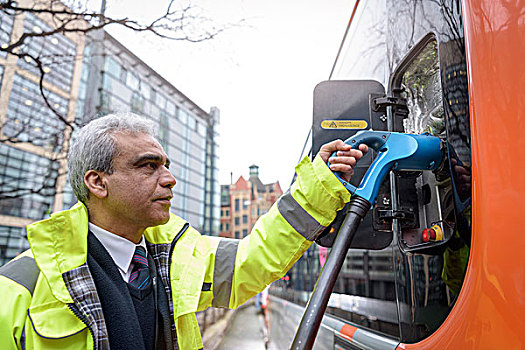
(62, 309)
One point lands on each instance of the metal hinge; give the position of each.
(381, 103)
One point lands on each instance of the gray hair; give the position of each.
(94, 147)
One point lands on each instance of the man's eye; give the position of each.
(152, 166)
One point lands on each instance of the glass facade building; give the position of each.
(108, 79)
(32, 136)
(114, 80)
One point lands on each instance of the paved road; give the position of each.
(245, 332)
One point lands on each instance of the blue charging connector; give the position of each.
(396, 151)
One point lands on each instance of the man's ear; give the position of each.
(96, 183)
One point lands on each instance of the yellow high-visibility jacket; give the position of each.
(60, 308)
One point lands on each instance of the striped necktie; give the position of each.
(139, 277)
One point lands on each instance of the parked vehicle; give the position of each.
(437, 263)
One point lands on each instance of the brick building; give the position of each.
(244, 201)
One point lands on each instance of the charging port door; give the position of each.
(341, 109)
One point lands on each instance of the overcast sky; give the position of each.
(261, 74)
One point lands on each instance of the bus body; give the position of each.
(457, 70)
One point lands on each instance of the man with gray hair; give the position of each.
(119, 271)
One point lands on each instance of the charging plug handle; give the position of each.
(396, 151)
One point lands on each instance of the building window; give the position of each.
(171, 109)
(237, 204)
(30, 120)
(237, 234)
(5, 30)
(244, 233)
(192, 123)
(69, 198)
(104, 102)
(201, 129)
(132, 81)
(123, 74)
(112, 67)
(137, 103)
(245, 219)
(161, 101)
(145, 90)
(59, 72)
(153, 94)
(164, 130)
(22, 173)
(227, 227)
(12, 243)
(237, 221)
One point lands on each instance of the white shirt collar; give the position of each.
(120, 249)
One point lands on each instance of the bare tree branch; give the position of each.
(176, 22)
(171, 25)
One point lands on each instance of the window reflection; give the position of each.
(56, 52)
(6, 26)
(12, 242)
(406, 295)
(29, 119)
(27, 183)
(422, 89)
(362, 56)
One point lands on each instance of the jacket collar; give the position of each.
(59, 244)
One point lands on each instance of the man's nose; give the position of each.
(167, 179)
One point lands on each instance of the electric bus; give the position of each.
(438, 262)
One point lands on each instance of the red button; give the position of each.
(425, 235)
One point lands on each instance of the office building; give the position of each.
(87, 77)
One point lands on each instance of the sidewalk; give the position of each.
(237, 329)
(245, 331)
(214, 333)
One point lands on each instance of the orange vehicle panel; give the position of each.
(490, 310)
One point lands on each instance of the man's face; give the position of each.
(140, 188)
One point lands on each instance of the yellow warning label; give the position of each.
(344, 124)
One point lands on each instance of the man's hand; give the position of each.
(345, 159)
